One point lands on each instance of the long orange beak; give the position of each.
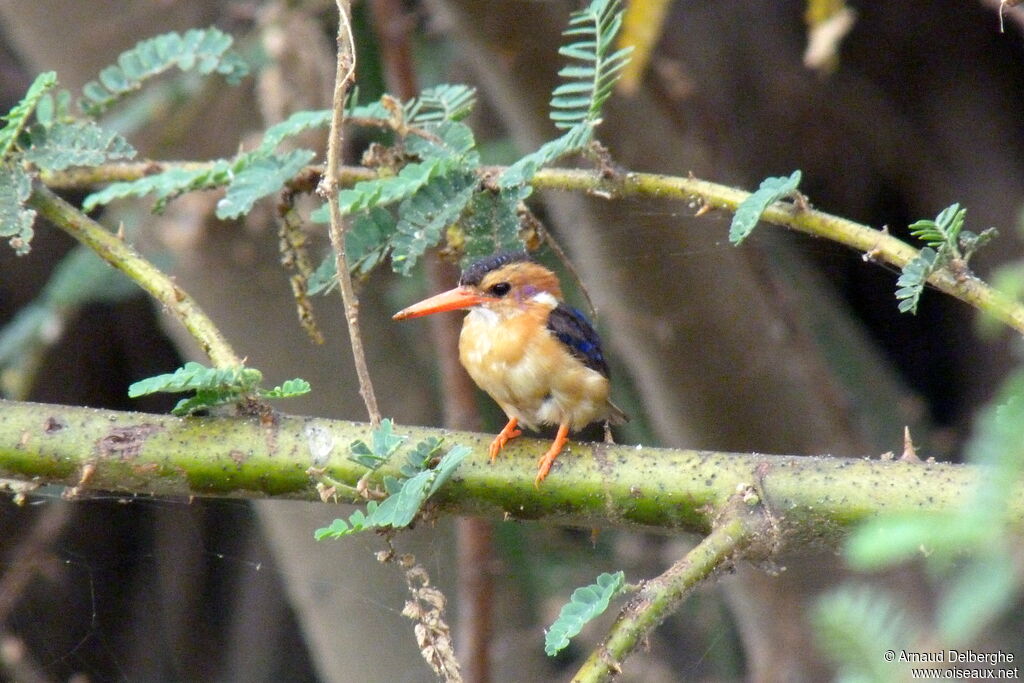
(453, 299)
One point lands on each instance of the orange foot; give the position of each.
(507, 434)
(546, 460)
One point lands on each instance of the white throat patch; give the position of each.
(545, 298)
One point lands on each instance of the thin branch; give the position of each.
(812, 499)
(90, 176)
(123, 257)
(876, 245)
(344, 77)
(659, 597)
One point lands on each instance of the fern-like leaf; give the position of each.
(366, 244)
(383, 444)
(339, 528)
(166, 185)
(368, 239)
(288, 389)
(203, 50)
(406, 499)
(449, 140)
(853, 626)
(574, 140)
(424, 216)
(255, 176)
(942, 233)
(589, 82)
(913, 279)
(298, 122)
(17, 118)
(195, 376)
(491, 223)
(585, 604)
(15, 219)
(441, 103)
(384, 191)
(748, 213)
(80, 143)
(54, 108)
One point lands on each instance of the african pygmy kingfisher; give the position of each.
(537, 357)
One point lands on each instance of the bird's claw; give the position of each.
(543, 467)
(507, 434)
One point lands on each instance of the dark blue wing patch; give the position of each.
(574, 330)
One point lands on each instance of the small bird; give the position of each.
(538, 358)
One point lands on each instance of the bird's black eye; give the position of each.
(500, 289)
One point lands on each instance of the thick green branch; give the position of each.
(123, 257)
(659, 597)
(812, 499)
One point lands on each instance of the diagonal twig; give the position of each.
(737, 530)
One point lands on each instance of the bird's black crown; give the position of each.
(475, 273)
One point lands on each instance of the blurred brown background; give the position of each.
(786, 345)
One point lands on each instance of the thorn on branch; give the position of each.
(909, 452)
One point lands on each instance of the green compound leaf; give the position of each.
(576, 104)
(203, 50)
(585, 604)
(491, 223)
(298, 122)
(854, 626)
(423, 217)
(400, 508)
(914, 277)
(384, 442)
(17, 118)
(289, 389)
(440, 103)
(589, 82)
(54, 108)
(748, 213)
(165, 185)
(203, 399)
(367, 240)
(367, 194)
(574, 140)
(446, 467)
(79, 143)
(942, 232)
(419, 459)
(357, 521)
(213, 386)
(366, 244)
(196, 376)
(257, 176)
(449, 139)
(16, 220)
